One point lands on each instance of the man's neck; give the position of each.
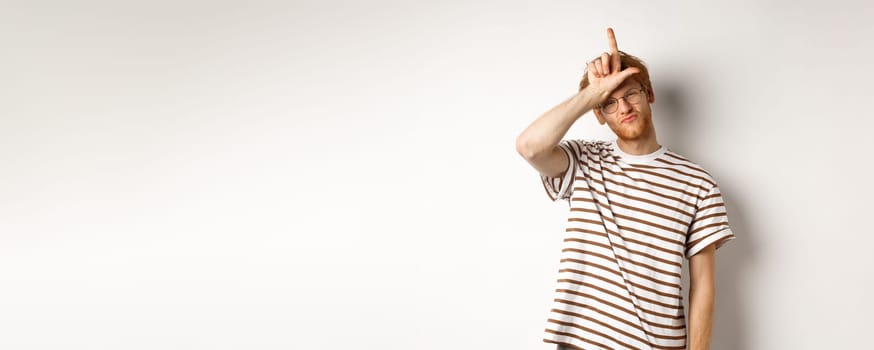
(640, 146)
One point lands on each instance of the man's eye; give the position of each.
(632, 94)
(609, 103)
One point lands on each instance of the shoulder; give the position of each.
(688, 166)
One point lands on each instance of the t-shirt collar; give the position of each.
(637, 159)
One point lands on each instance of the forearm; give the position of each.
(548, 129)
(701, 305)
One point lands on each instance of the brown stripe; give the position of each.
(677, 156)
(714, 215)
(548, 191)
(593, 211)
(653, 257)
(598, 161)
(659, 194)
(634, 252)
(578, 338)
(606, 336)
(691, 166)
(654, 280)
(653, 173)
(583, 230)
(656, 184)
(611, 159)
(650, 212)
(650, 278)
(714, 205)
(594, 308)
(653, 183)
(620, 285)
(635, 263)
(715, 195)
(651, 301)
(695, 242)
(619, 319)
(707, 226)
(605, 302)
(651, 224)
(576, 149)
(582, 199)
(602, 278)
(678, 232)
(641, 199)
(598, 202)
(655, 247)
(630, 312)
(648, 245)
(603, 324)
(674, 169)
(588, 221)
(648, 234)
(632, 262)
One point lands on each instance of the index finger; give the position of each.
(612, 38)
(615, 63)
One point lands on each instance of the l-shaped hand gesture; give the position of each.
(605, 73)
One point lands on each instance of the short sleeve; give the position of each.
(560, 187)
(709, 225)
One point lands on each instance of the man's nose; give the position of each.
(624, 106)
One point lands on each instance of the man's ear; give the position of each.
(600, 117)
(650, 95)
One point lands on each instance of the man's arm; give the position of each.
(702, 297)
(538, 143)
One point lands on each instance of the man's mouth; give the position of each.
(628, 119)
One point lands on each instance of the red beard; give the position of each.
(638, 128)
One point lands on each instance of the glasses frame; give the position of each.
(624, 97)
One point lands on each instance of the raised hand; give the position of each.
(604, 72)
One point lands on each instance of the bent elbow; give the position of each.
(525, 149)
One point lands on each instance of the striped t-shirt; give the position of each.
(632, 221)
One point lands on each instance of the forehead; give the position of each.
(628, 84)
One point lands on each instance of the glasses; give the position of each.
(633, 96)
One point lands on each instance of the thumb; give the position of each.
(628, 72)
(618, 78)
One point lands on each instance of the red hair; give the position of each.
(626, 61)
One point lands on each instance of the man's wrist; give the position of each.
(585, 101)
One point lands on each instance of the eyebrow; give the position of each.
(626, 92)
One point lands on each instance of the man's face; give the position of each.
(629, 121)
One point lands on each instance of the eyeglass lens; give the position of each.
(632, 97)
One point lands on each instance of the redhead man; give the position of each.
(638, 211)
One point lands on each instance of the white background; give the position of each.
(343, 175)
